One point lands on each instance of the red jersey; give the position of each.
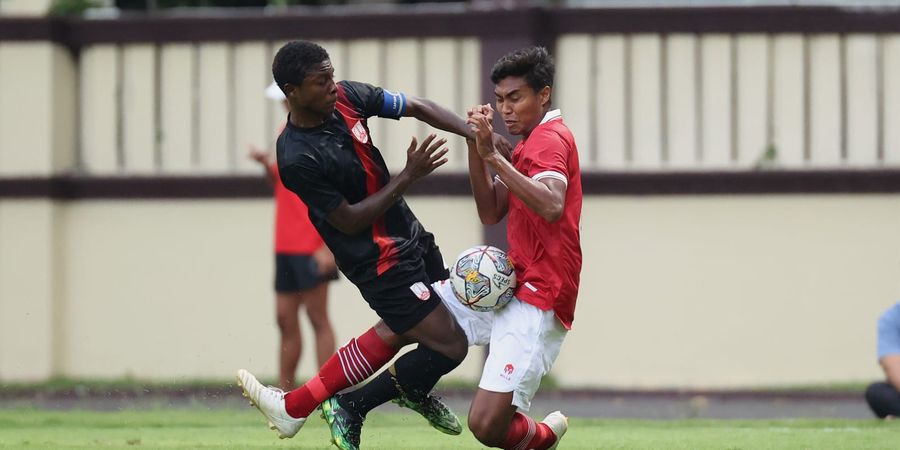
(547, 256)
(294, 233)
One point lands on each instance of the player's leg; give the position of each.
(316, 302)
(384, 386)
(421, 317)
(350, 365)
(287, 307)
(525, 342)
(884, 399)
(290, 272)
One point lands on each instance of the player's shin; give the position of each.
(352, 364)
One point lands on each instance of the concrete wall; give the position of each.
(676, 291)
(163, 290)
(704, 101)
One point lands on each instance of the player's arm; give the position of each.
(891, 366)
(443, 119)
(546, 197)
(437, 116)
(490, 194)
(420, 161)
(265, 159)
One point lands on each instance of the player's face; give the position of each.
(519, 105)
(318, 92)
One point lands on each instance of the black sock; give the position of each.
(415, 373)
(381, 389)
(419, 370)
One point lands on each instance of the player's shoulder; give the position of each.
(554, 132)
(356, 91)
(891, 315)
(559, 128)
(294, 146)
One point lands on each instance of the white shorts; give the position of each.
(525, 342)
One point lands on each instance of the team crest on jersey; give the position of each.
(421, 291)
(359, 132)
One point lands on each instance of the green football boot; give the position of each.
(435, 411)
(345, 425)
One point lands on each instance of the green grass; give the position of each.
(245, 429)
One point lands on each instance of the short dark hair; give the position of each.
(533, 63)
(294, 60)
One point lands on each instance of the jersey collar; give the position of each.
(553, 114)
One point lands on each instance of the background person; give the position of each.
(303, 268)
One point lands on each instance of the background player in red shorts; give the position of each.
(303, 268)
(539, 191)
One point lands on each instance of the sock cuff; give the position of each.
(371, 343)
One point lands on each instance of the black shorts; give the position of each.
(295, 273)
(403, 296)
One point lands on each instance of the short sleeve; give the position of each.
(889, 332)
(375, 101)
(306, 179)
(545, 155)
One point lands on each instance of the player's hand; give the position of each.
(324, 260)
(421, 160)
(259, 155)
(480, 121)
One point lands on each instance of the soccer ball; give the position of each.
(483, 278)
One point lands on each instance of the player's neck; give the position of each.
(306, 119)
(544, 112)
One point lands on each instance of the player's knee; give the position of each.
(459, 345)
(459, 350)
(286, 321)
(485, 431)
(319, 323)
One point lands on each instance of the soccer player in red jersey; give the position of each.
(539, 191)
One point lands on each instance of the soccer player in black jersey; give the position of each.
(326, 156)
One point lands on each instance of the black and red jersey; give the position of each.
(337, 161)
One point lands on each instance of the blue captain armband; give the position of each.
(394, 105)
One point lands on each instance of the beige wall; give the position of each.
(733, 291)
(161, 289)
(676, 291)
(644, 101)
(695, 101)
(37, 109)
(24, 7)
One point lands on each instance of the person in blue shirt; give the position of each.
(884, 396)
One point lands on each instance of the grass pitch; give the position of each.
(245, 429)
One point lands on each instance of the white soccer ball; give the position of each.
(483, 278)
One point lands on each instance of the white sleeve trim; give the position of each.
(497, 178)
(551, 174)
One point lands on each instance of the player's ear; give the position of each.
(544, 94)
(289, 88)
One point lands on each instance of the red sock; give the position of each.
(525, 433)
(352, 364)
